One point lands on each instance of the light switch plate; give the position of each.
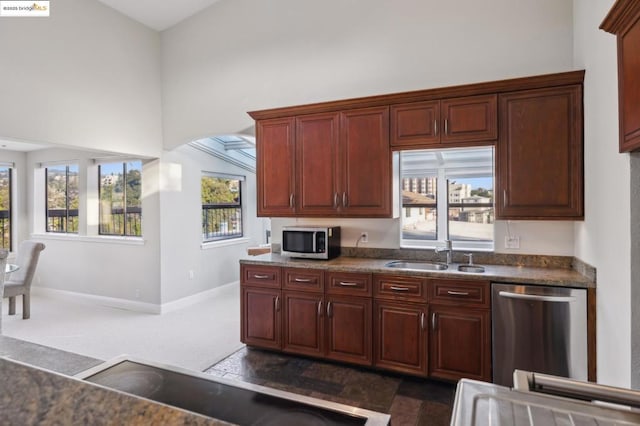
(512, 242)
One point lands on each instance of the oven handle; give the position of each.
(535, 297)
(586, 391)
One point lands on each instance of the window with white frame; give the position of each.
(62, 198)
(447, 194)
(120, 194)
(221, 197)
(6, 172)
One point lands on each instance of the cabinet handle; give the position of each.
(336, 200)
(433, 321)
(291, 199)
(260, 277)
(302, 280)
(345, 199)
(277, 303)
(422, 320)
(394, 288)
(347, 284)
(446, 126)
(457, 293)
(435, 127)
(329, 309)
(504, 198)
(320, 308)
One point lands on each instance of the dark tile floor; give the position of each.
(410, 401)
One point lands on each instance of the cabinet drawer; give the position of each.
(260, 276)
(303, 280)
(400, 288)
(459, 292)
(348, 283)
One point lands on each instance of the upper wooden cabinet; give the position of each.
(624, 21)
(465, 120)
(276, 182)
(539, 159)
(325, 164)
(336, 159)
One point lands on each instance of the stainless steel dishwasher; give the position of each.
(538, 328)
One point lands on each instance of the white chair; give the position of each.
(3, 262)
(19, 282)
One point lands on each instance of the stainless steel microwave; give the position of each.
(311, 242)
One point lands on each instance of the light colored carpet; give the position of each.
(194, 337)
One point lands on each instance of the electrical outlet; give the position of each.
(512, 242)
(191, 274)
(364, 237)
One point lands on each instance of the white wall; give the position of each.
(243, 55)
(86, 76)
(603, 239)
(215, 264)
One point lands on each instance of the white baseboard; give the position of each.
(132, 305)
(198, 297)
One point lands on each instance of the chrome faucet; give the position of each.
(448, 248)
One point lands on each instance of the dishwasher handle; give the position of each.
(536, 297)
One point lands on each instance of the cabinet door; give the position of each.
(460, 343)
(261, 317)
(303, 323)
(316, 164)
(366, 162)
(539, 155)
(469, 119)
(349, 329)
(275, 167)
(400, 337)
(415, 124)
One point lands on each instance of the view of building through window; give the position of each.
(120, 198)
(447, 194)
(221, 207)
(62, 198)
(5, 207)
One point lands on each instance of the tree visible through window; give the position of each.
(120, 198)
(221, 207)
(5, 207)
(62, 198)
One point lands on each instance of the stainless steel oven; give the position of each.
(228, 400)
(542, 400)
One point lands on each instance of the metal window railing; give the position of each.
(62, 220)
(5, 229)
(118, 221)
(221, 221)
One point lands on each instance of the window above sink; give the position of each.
(447, 194)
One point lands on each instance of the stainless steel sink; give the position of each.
(417, 264)
(471, 268)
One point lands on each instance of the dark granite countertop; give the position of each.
(33, 396)
(555, 276)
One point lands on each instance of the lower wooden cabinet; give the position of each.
(411, 325)
(304, 323)
(261, 317)
(460, 343)
(400, 340)
(349, 329)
